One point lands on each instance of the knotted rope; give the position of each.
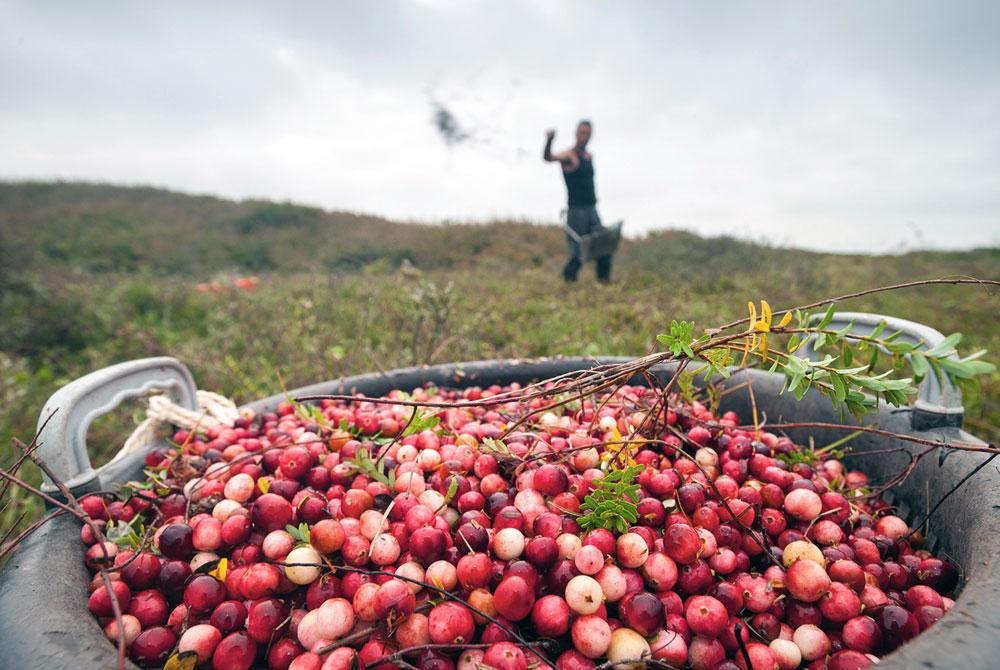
(213, 410)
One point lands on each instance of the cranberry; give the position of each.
(149, 607)
(897, 625)
(505, 656)
(550, 616)
(550, 480)
(706, 616)
(236, 651)
(271, 512)
(514, 598)
(153, 646)
(428, 545)
(229, 616)
(142, 571)
(450, 623)
(862, 634)
(264, 619)
(100, 600)
(176, 541)
(394, 601)
(204, 593)
(642, 611)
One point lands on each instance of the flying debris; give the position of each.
(448, 126)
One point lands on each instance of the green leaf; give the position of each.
(839, 387)
(420, 423)
(827, 318)
(612, 502)
(362, 462)
(848, 354)
(452, 490)
(878, 330)
(945, 347)
(678, 340)
(300, 534)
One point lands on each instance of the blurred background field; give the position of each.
(92, 275)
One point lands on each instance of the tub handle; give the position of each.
(68, 413)
(937, 405)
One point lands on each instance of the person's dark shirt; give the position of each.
(580, 184)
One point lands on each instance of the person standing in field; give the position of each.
(578, 172)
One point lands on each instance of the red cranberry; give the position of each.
(642, 611)
(428, 545)
(228, 616)
(236, 651)
(153, 646)
(550, 616)
(706, 616)
(451, 623)
(897, 625)
(203, 593)
(505, 656)
(149, 607)
(142, 571)
(271, 512)
(100, 600)
(550, 480)
(514, 598)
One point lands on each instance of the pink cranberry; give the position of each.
(706, 616)
(451, 623)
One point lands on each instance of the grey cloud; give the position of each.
(777, 120)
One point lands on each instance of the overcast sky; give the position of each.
(860, 126)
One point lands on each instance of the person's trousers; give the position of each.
(583, 221)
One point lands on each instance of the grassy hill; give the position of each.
(92, 274)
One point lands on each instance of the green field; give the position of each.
(92, 275)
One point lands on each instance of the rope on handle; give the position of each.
(213, 410)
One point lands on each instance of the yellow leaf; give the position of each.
(220, 570)
(765, 312)
(785, 320)
(763, 346)
(184, 660)
(753, 314)
(263, 484)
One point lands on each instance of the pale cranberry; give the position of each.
(628, 645)
(131, 625)
(584, 595)
(201, 639)
(811, 641)
(591, 636)
(807, 581)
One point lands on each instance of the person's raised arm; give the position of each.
(547, 156)
(565, 158)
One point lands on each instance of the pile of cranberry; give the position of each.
(277, 544)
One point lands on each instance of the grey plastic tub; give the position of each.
(43, 588)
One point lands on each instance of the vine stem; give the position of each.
(74, 508)
(880, 289)
(990, 448)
